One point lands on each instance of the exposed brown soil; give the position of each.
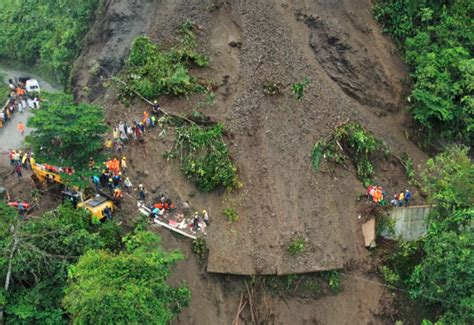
(354, 75)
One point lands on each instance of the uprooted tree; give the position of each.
(154, 72)
(204, 157)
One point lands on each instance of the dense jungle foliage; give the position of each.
(46, 33)
(35, 258)
(60, 268)
(437, 38)
(438, 270)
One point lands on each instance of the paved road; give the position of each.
(10, 138)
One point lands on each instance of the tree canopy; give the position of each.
(66, 133)
(46, 32)
(35, 258)
(125, 288)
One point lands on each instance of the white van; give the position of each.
(32, 85)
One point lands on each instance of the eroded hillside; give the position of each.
(354, 75)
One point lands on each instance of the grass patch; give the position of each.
(314, 285)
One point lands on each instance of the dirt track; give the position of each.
(354, 75)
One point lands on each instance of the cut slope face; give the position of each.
(353, 74)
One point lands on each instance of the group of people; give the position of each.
(112, 177)
(19, 100)
(377, 195)
(19, 160)
(198, 218)
(124, 132)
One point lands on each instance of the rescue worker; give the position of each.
(141, 192)
(107, 213)
(401, 198)
(118, 194)
(18, 171)
(196, 221)
(91, 163)
(21, 210)
(24, 159)
(110, 184)
(407, 197)
(123, 163)
(21, 128)
(205, 217)
(128, 185)
(96, 181)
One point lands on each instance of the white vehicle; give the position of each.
(32, 86)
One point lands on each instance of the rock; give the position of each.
(146, 173)
(235, 44)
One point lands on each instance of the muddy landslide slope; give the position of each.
(354, 75)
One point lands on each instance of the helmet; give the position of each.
(204, 211)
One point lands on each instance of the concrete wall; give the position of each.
(409, 223)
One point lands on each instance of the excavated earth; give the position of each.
(355, 75)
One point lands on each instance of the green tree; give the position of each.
(35, 256)
(437, 39)
(125, 288)
(66, 133)
(445, 276)
(449, 180)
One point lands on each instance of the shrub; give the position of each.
(200, 249)
(297, 246)
(349, 140)
(272, 88)
(231, 215)
(334, 281)
(205, 158)
(299, 87)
